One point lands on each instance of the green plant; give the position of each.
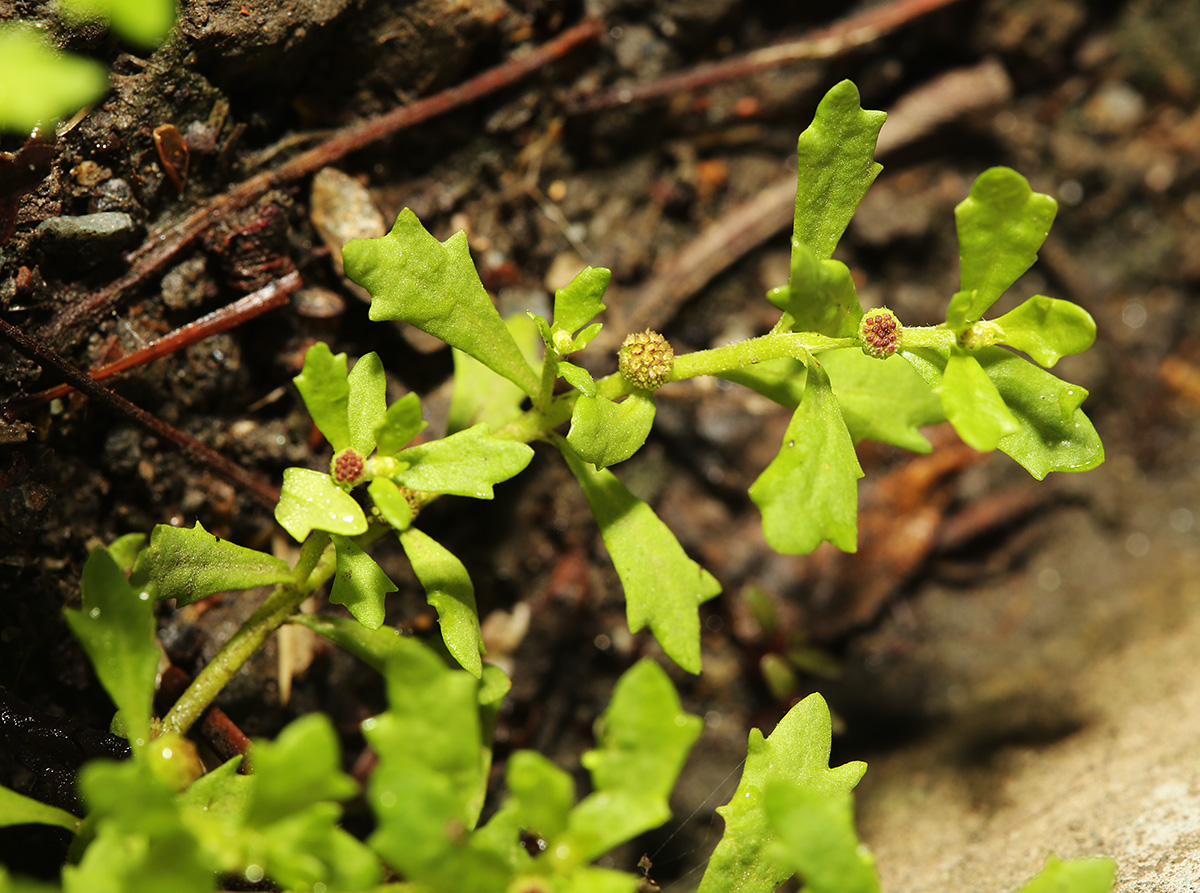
(846, 374)
(40, 85)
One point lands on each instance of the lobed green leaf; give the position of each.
(1048, 329)
(1073, 876)
(1054, 434)
(464, 464)
(973, 404)
(663, 586)
(605, 433)
(796, 752)
(809, 492)
(359, 583)
(299, 768)
(401, 423)
(324, 386)
(448, 588)
(644, 738)
(820, 295)
(836, 167)
(581, 300)
(816, 839)
(480, 395)
(434, 286)
(117, 630)
(312, 500)
(189, 563)
(1001, 226)
(366, 406)
(882, 400)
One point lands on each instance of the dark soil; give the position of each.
(959, 552)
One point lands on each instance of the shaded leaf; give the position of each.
(796, 752)
(448, 588)
(1048, 329)
(663, 586)
(17, 809)
(780, 380)
(391, 503)
(809, 493)
(480, 395)
(820, 295)
(401, 423)
(38, 84)
(144, 22)
(1001, 226)
(359, 583)
(882, 400)
(189, 563)
(604, 432)
(325, 389)
(117, 630)
(542, 793)
(1054, 433)
(434, 286)
(464, 464)
(375, 647)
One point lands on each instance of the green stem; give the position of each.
(797, 345)
(271, 614)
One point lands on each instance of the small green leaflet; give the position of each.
(311, 499)
(299, 768)
(448, 588)
(972, 403)
(391, 503)
(464, 464)
(582, 299)
(17, 809)
(1048, 329)
(882, 400)
(434, 286)
(1054, 434)
(604, 432)
(375, 647)
(836, 156)
(809, 492)
(59, 83)
(401, 423)
(815, 837)
(189, 563)
(644, 738)
(366, 408)
(663, 587)
(359, 583)
(323, 386)
(144, 22)
(820, 295)
(1001, 226)
(541, 793)
(796, 752)
(1073, 876)
(117, 630)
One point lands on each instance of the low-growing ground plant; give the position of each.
(160, 821)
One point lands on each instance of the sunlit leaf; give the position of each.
(390, 501)
(189, 563)
(366, 405)
(644, 738)
(480, 395)
(577, 303)
(448, 588)
(663, 586)
(808, 494)
(797, 751)
(820, 295)
(1048, 329)
(117, 630)
(38, 84)
(578, 378)
(972, 404)
(434, 286)
(604, 432)
(359, 583)
(464, 464)
(300, 767)
(311, 500)
(816, 838)
(543, 793)
(144, 22)
(324, 387)
(1001, 226)
(1073, 876)
(781, 380)
(837, 165)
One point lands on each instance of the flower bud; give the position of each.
(347, 467)
(879, 332)
(646, 360)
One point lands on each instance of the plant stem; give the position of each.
(797, 345)
(271, 614)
